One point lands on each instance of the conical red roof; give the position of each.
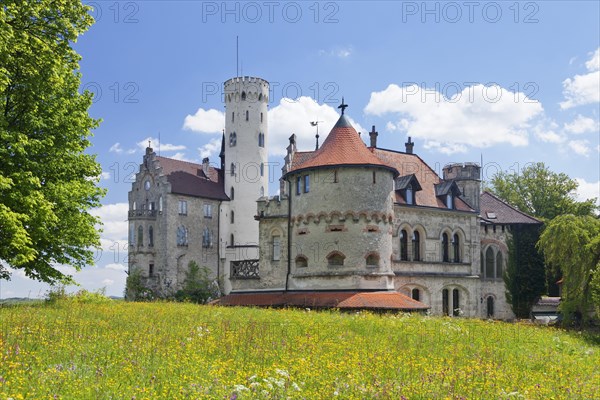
(343, 146)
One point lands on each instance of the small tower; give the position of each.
(246, 173)
(468, 178)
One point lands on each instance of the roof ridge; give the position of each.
(181, 161)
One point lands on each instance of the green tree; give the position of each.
(47, 182)
(540, 192)
(525, 273)
(573, 242)
(198, 287)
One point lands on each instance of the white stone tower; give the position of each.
(246, 173)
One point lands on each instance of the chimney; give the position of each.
(373, 137)
(409, 146)
(205, 166)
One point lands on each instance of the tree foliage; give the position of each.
(47, 182)
(573, 242)
(198, 286)
(540, 192)
(525, 276)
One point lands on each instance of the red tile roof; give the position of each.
(504, 213)
(342, 300)
(343, 146)
(189, 179)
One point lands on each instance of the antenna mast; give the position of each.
(237, 54)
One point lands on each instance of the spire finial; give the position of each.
(343, 106)
(149, 143)
(316, 123)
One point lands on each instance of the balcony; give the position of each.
(245, 269)
(142, 214)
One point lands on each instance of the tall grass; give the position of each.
(117, 350)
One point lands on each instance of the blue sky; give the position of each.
(509, 82)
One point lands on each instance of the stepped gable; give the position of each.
(492, 206)
(342, 147)
(189, 179)
(407, 164)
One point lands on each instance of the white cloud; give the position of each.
(210, 148)
(105, 175)
(545, 131)
(116, 267)
(156, 144)
(108, 282)
(182, 157)
(588, 190)
(582, 124)
(339, 52)
(581, 147)
(205, 121)
(583, 89)
(478, 116)
(114, 218)
(116, 148)
(294, 116)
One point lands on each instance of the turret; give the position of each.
(468, 178)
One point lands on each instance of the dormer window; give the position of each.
(450, 201)
(409, 196)
(407, 186)
(447, 192)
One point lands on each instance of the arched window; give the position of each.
(261, 114)
(232, 217)
(276, 248)
(489, 263)
(232, 239)
(372, 260)
(481, 261)
(134, 206)
(301, 262)
(232, 169)
(416, 242)
(140, 238)
(260, 99)
(403, 245)
(490, 307)
(499, 264)
(445, 249)
(151, 236)
(455, 302)
(456, 248)
(231, 193)
(416, 294)
(445, 302)
(335, 259)
(243, 95)
(262, 169)
(247, 115)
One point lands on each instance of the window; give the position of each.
(445, 250)
(182, 236)
(455, 303)
(160, 204)
(416, 294)
(247, 115)
(132, 235)
(372, 260)
(152, 206)
(490, 307)
(409, 195)
(499, 265)
(489, 263)
(261, 140)
(456, 248)
(151, 236)
(151, 269)
(182, 207)
(374, 177)
(232, 117)
(262, 191)
(232, 217)
(140, 236)
(147, 184)
(335, 259)
(232, 239)
(445, 302)
(298, 185)
(301, 262)
(207, 210)
(403, 245)
(243, 95)
(276, 248)
(262, 169)
(206, 238)
(335, 176)
(416, 242)
(232, 169)
(134, 206)
(450, 201)
(306, 183)
(261, 114)
(232, 139)
(232, 193)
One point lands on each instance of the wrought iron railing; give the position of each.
(245, 269)
(142, 213)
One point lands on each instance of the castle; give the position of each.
(353, 226)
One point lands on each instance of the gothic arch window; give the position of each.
(451, 301)
(335, 259)
(403, 245)
(455, 302)
(232, 217)
(416, 243)
(261, 114)
(243, 96)
(489, 263)
(445, 302)
(415, 294)
(276, 247)
(372, 260)
(150, 236)
(301, 262)
(445, 248)
(140, 236)
(499, 265)
(247, 115)
(456, 248)
(134, 206)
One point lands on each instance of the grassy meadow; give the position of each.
(118, 350)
